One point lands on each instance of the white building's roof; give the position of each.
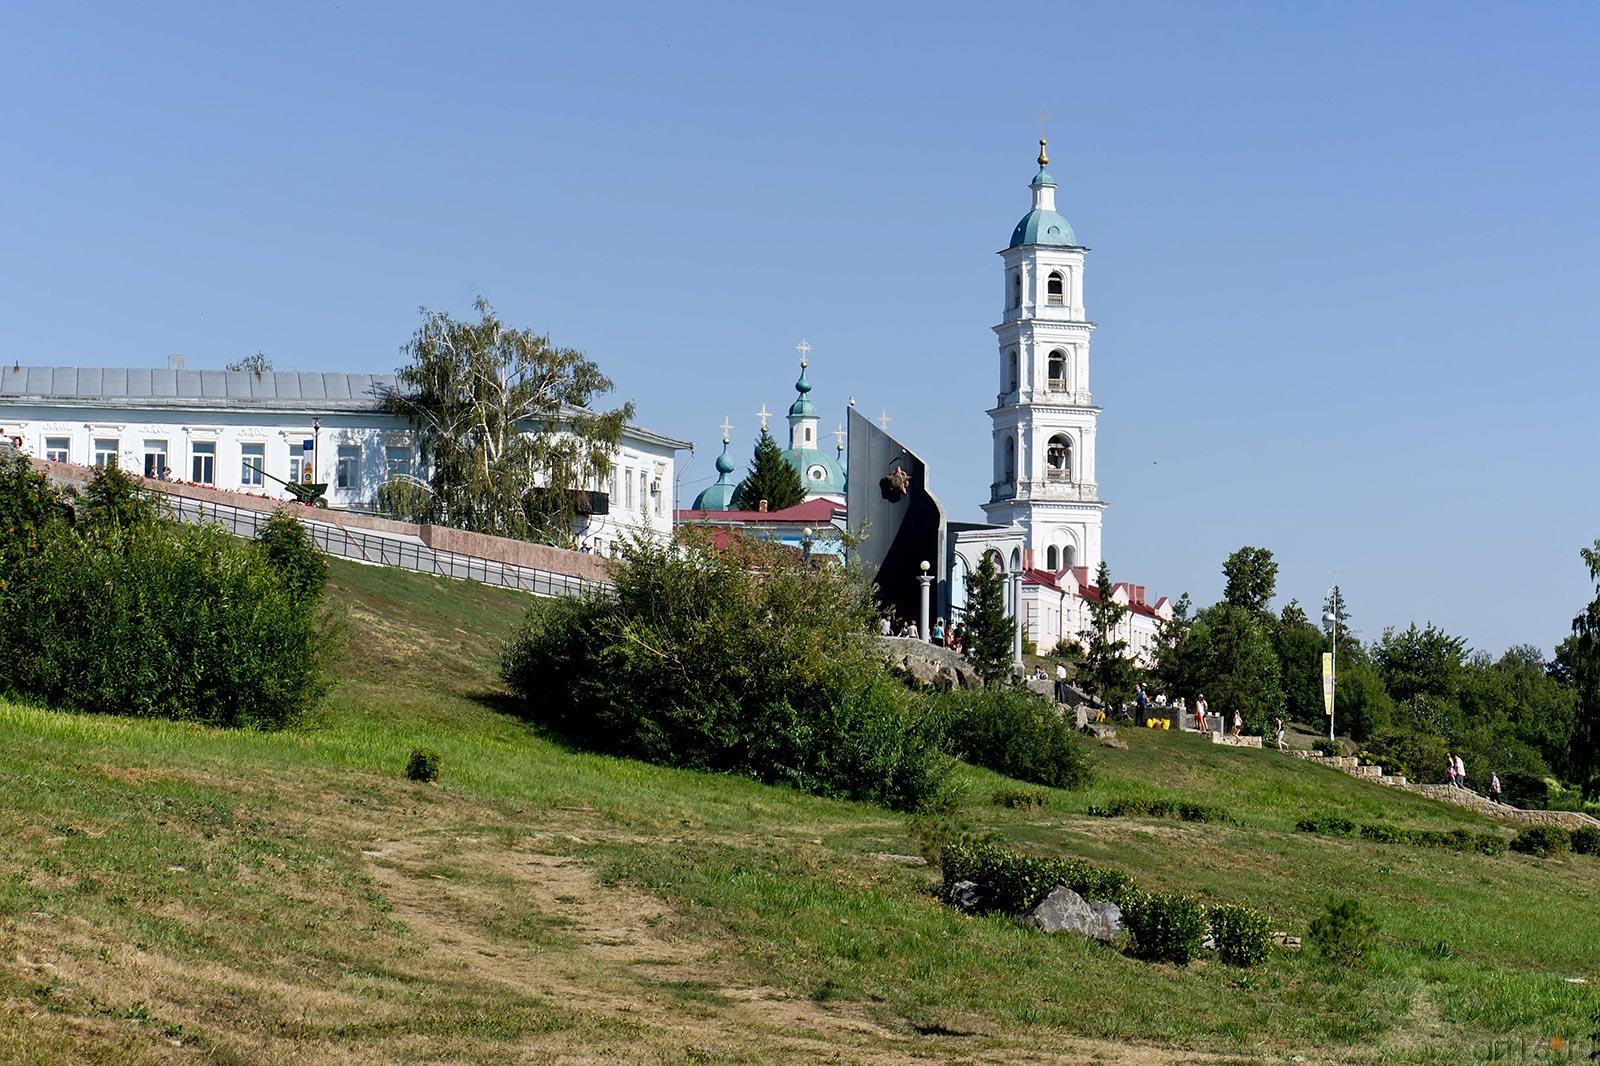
(216, 390)
(116, 386)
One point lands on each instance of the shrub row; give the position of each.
(1164, 927)
(1550, 840)
(1160, 808)
(1021, 798)
(1382, 833)
(1012, 731)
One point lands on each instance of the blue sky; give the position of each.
(1343, 254)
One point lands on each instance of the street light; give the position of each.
(926, 580)
(805, 545)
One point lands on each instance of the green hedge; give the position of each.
(1585, 840)
(1166, 927)
(1487, 843)
(1124, 807)
(1542, 840)
(1242, 934)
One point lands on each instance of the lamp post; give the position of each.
(805, 545)
(1330, 623)
(1016, 612)
(925, 579)
(316, 446)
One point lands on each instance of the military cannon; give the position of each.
(311, 493)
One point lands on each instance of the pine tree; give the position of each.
(1106, 665)
(989, 628)
(1583, 653)
(771, 478)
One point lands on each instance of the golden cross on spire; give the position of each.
(727, 428)
(805, 350)
(883, 420)
(838, 437)
(763, 414)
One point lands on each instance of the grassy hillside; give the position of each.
(171, 893)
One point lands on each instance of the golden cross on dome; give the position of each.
(763, 414)
(804, 349)
(838, 436)
(883, 421)
(727, 427)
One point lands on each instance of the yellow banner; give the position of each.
(1327, 682)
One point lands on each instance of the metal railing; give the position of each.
(405, 553)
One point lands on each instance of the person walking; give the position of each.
(1201, 708)
(1141, 700)
(1277, 725)
(1494, 786)
(1061, 683)
(937, 634)
(1461, 773)
(1449, 768)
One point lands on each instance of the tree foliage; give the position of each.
(256, 364)
(1251, 578)
(770, 479)
(989, 627)
(503, 423)
(1106, 666)
(1236, 664)
(1583, 665)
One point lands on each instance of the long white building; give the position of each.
(222, 428)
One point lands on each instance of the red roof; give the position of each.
(811, 513)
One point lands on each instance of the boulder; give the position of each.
(1064, 911)
(928, 665)
(966, 896)
(1111, 913)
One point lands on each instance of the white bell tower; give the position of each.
(1044, 416)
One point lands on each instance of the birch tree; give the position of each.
(505, 432)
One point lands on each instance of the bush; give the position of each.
(1542, 840)
(740, 661)
(1012, 731)
(1343, 934)
(1528, 791)
(1014, 883)
(423, 765)
(1166, 927)
(1021, 798)
(130, 613)
(1242, 934)
(1489, 844)
(290, 551)
(1123, 807)
(1327, 825)
(1379, 833)
(1585, 840)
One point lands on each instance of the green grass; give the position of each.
(169, 889)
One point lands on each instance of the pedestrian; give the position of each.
(1494, 787)
(1141, 700)
(938, 632)
(885, 627)
(1201, 709)
(1449, 768)
(911, 631)
(1061, 683)
(1238, 721)
(1277, 726)
(1461, 773)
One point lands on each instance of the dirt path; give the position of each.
(624, 958)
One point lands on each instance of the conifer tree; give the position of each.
(1106, 665)
(1583, 654)
(989, 628)
(771, 478)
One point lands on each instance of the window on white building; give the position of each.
(1052, 558)
(1013, 369)
(661, 497)
(1010, 469)
(1058, 371)
(348, 471)
(1069, 556)
(644, 492)
(1058, 458)
(1016, 288)
(56, 449)
(397, 461)
(105, 451)
(203, 462)
(252, 460)
(297, 463)
(627, 486)
(155, 458)
(1053, 290)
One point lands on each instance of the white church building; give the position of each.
(230, 429)
(1044, 508)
